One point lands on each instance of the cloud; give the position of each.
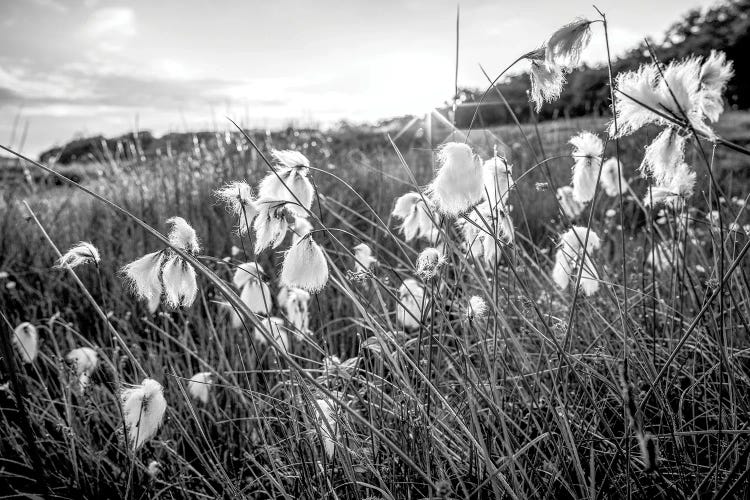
(52, 4)
(110, 27)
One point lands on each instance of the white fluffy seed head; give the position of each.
(547, 80)
(295, 303)
(326, 413)
(635, 99)
(363, 259)
(416, 221)
(429, 262)
(26, 341)
(305, 266)
(238, 198)
(270, 225)
(199, 386)
(498, 180)
(144, 277)
(564, 47)
(613, 181)
(79, 254)
(477, 308)
(291, 159)
(182, 235)
(301, 228)
(714, 75)
(83, 360)
(411, 304)
(663, 155)
(143, 407)
(458, 184)
(569, 256)
(587, 153)
(180, 286)
(247, 272)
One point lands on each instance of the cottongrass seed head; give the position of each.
(498, 180)
(547, 81)
(270, 224)
(180, 285)
(84, 361)
(79, 254)
(411, 303)
(587, 153)
(26, 341)
(429, 262)
(326, 413)
(417, 217)
(571, 207)
(663, 155)
(569, 255)
(305, 266)
(295, 303)
(290, 182)
(564, 47)
(613, 182)
(199, 385)
(273, 327)
(238, 198)
(477, 308)
(182, 235)
(714, 75)
(458, 184)
(143, 407)
(144, 278)
(363, 259)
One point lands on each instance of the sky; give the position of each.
(83, 67)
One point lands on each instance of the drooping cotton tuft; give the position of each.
(477, 308)
(414, 213)
(587, 153)
(547, 82)
(363, 259)
(180, 286)
(429, 262)
(498, 180)
(143, 407)
(238, 198)
(289, 183)
(199, 385)
(612, 180)
(458, 184)
(295, 303)
(564, 47)
(79, 254)
(270, 224)
(714, 75)
(635, 99)
(26, 341)
(486, 228)
(326, 413)
(674, 190)
(664, 154)
(84, 361)
(275, 328)
(571, 207)
(570, 256)
(305, 266)
(411, 304)
(144, 275)
(182, 235)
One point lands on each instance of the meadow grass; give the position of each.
(636, 391)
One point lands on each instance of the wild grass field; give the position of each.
(482, 377)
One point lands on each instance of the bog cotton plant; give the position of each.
(612, 179)
(79, 254)
(254, 292)
(411, 304)
(363, 259)
(305, 266)
(289, 183)
(143, 407)
(238, 198)
(674, 189)
(569, 257)
(587, 154)
(498, 180)
(664, 154)
(84, 361)
(165, 272)
(271, 223)
(199, 386)
(417, 218)
(686, 91)
(547, 80)
(476, 308)
(326, 413)
(429, 262)
(564, 47)
(26, 341)
(295, 303)
(458, 184)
